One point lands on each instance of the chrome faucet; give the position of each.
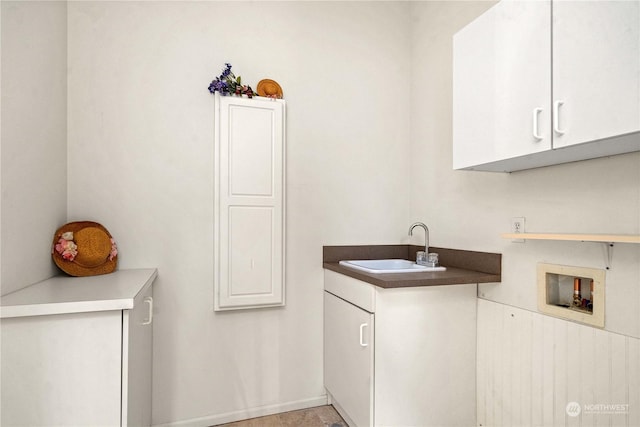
(426, 234)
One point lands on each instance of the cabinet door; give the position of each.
(62, 369)
(596, 69)
(137, 343)
(348, 358)
(249, 199)
(502, 84)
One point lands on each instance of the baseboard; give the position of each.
(340, 410)
(245, 414)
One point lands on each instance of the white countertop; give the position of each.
(64, 294)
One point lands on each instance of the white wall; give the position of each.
(140, 162)
(34, 125)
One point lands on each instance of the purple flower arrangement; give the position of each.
(228, 84)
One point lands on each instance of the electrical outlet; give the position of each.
(517, 226)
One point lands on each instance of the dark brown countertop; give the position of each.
(462, 266)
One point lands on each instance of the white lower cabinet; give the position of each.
(400, 357)
(72, 359)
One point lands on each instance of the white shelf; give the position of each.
(604, 238)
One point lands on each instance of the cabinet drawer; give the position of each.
(355, 291)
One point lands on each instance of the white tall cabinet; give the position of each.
(545, 82)
(249, 211)
(77, 351)
(400, 357)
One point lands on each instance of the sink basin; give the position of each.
(388, 266)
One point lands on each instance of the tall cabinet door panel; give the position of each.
(348, 370)
(596, 70)
(249, 203)
(502, 84)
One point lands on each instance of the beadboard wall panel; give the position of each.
(530, 366)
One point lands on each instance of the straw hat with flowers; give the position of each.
(84, 248)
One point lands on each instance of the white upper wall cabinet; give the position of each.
(538, 83)
(501, 84)
(249, 202)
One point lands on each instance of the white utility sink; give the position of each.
(388, 266)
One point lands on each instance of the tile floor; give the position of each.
(320, 416)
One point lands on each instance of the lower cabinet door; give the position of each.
(348, 358)
(61, 369)
(137, 361)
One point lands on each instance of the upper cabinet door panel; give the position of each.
(596, 69)
(251, 154)
(502, 84)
